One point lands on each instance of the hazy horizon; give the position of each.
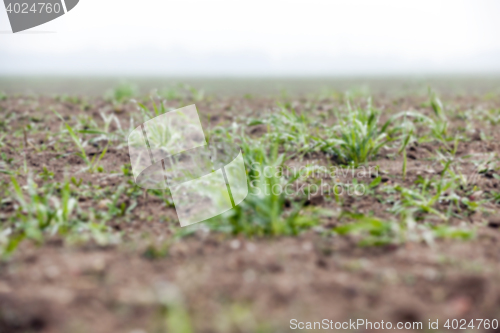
(259, 38)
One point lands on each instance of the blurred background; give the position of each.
(273, 41)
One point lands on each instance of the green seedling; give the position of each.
(264, 212)
(68, 99)
(422, 198)
(444, 231)
(438, 123)
(437, 105)
(492, 116)
(372, 231)
(196, 94)
(406, 139)
(181, 92)
(88, 126)
(122, 92)
(147, 114)
(91, 164)
(75, 182)
(376, 232)
(170, 93)
(40, 212)
(154, 252)
(113, 208)
(75, 139)
(289, 129)
(358, 138)
(46, 174)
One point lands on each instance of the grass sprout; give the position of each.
(292, 130)
(39, 212)
(438, 123)
(92, 164)
(122, 92)
(445, 231)
(148, 114)
(264, 212)
(371, 230)
(358, 137)
(183, 91)
(423, 199)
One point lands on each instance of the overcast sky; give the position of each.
(269, 37)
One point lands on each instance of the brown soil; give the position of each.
(236, 284)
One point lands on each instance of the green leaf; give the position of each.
(375, 182)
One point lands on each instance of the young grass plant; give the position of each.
(449, 232)
(92, 164)
(404, 143)
(148, 114)
(358, 137)
(371, 231)
(437, 124)
(264, 212)
(52, 209)
(104, 133)
(423, 197)
(291, 130)
(39, 212)
(438, 196)
(122, 92)
(183, 92)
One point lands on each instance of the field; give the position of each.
(377, 202)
